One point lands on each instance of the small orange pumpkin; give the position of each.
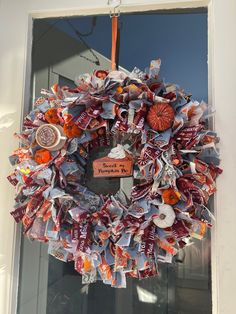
(72, 130)
(170, 196)
(160, 116)
(51, 116)
(42, 156)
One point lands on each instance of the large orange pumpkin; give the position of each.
(160, 116)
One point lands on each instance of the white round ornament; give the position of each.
(166, 216)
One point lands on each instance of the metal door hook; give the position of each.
(115, 4)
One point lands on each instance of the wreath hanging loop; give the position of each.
(161, 139)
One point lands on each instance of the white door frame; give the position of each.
(16, 39)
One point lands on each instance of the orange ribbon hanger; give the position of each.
(114, 41)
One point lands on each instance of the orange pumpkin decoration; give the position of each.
(170, 196)
(160, 116)
(42, 156)
(51, 116)
(72, 130)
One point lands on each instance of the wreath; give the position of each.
(160, 138)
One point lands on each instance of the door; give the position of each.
(48, 286)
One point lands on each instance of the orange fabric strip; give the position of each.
(114, 42)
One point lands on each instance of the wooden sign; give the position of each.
(110, 167)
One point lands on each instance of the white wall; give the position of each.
(15, 32)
